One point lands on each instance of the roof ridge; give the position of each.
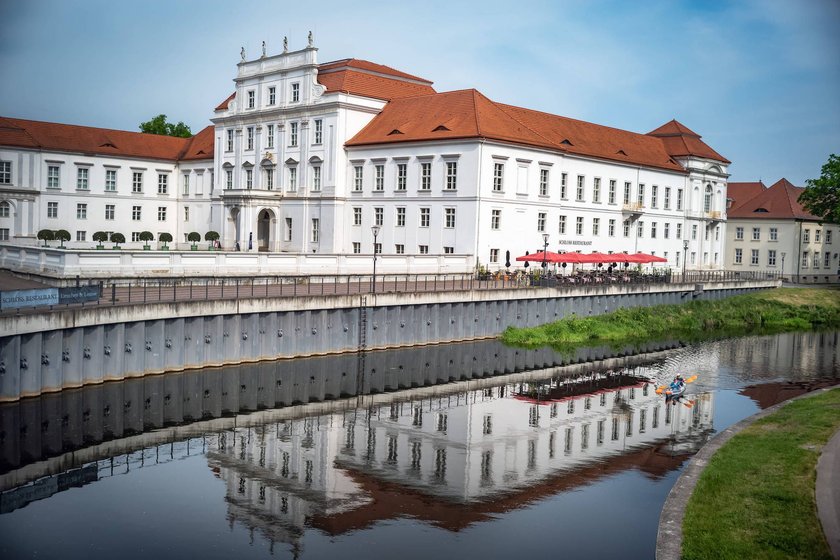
(476, 93)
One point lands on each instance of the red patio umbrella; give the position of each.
(550, 257)
(644, 258)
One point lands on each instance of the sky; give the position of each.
(759, 80)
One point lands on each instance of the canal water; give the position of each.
(451, 451)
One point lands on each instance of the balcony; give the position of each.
(632, 208)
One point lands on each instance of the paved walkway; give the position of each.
(669, 535)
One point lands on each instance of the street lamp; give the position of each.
(375, 230)
(685, 255)
(545, 248)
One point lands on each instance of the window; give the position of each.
(186, 213)
(817, 233)
(541, 221)
(293, 134)
(498, 177)
(4, 234)
(495, 219)
(249, 178)
(641, 197)
(667, 232)
(679, 199)
(667, 202)
(739, 233)
(805, 259)
(756, 234)
(319, 131)
(707, 200)
(252, 96)
(561, 225)
(424, 217)
(448, 250)
(379, 178)
(827, 259)
(611, 228)
(316, 224)
(611, 192)
(81, 211)
(269, 132)
(543, 182)
(596, 190)
(269, 178)
(135, 236)
(679, 231)
(357, 248)
(5, 172)
(449, 214)
(161, 213)
(81, 236)
(654, 194)
(53, 177)
(494, 255)
(424, 249)
(816, 259)
(288, 232)
(357, 216)
(82, 175)
(110, 211)
(739, 256)
(828, 237)
(563, 184)
(806, 236)
(754, 257)
(228, 179)
(229, 144)
(626, 228)
(425, 176)
(378, 216)
(717, 233)
(771, 257)
(694, 231)
(627, 192)
(358, 175)
(136, 213)
(401, 216)
(292, 179)
(596, 226)
(5, 209)
(399, 249)
(579, 226)
(402, 176)
(52, 209)
(163, 183)
(316, 178)
(640, 229)
(186, 184)
(653, 230)
(250, 138)
(579, 191)
(451, 175)
(295, 92)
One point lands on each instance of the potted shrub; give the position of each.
(62, 235)
(194, 237)
(100, 237)
(46, 235)
(165, 238)
(146, 236)
(212, 237)
(116, 239)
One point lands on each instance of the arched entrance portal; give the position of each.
(265, 231)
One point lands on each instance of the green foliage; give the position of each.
(62, 235)
(100, 237)
(211, 236)
(117, 238)
(821, 197)
(159, 125)
(146, 236)
(165, 237)
(755, 499)
(46, 235)
(194, 236)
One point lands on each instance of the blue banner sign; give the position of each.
(79, 294)
(15, 299)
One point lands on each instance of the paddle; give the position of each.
(661, 388)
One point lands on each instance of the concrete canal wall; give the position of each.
(53, 351)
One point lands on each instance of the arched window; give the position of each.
(707, 200)
(5, 209)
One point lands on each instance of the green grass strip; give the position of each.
(755, 499)
(772, 311)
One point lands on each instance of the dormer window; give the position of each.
(566, 142)
(395, 131)
(295, 92)
(441, 128)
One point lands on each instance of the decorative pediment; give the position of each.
(315, 159)
(247, 165)
(291, 161)
(227, 165)
(267, 162)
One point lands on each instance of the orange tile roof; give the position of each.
(89, 140)
(469, 114)
(779, 201)
(742, 192)
(356, 63)
(361, 77)
(224, 104)
(679, 140)
(200, 146)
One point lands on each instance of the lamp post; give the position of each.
(545, 248)
(375, 230)
(783, 264)
(685, 256)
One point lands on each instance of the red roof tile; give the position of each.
(742, 192)
(89, 140)
(679, 140)
(469, 114)
(780, 201)
(359, 64)
(224, 104)
(200, 146)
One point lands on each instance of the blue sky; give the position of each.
(758, 79)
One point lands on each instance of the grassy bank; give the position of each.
(755, 499)
(780, 310)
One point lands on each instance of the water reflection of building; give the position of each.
(452, 459)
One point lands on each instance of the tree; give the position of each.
(821, 197)
(159, 125)
(46, 235)
(62, 235)
(117, 238)
(211, 236)
(165, 238)
(194, 237)
(100, 237)
(146, 236)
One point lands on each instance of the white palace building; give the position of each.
(305, 157)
